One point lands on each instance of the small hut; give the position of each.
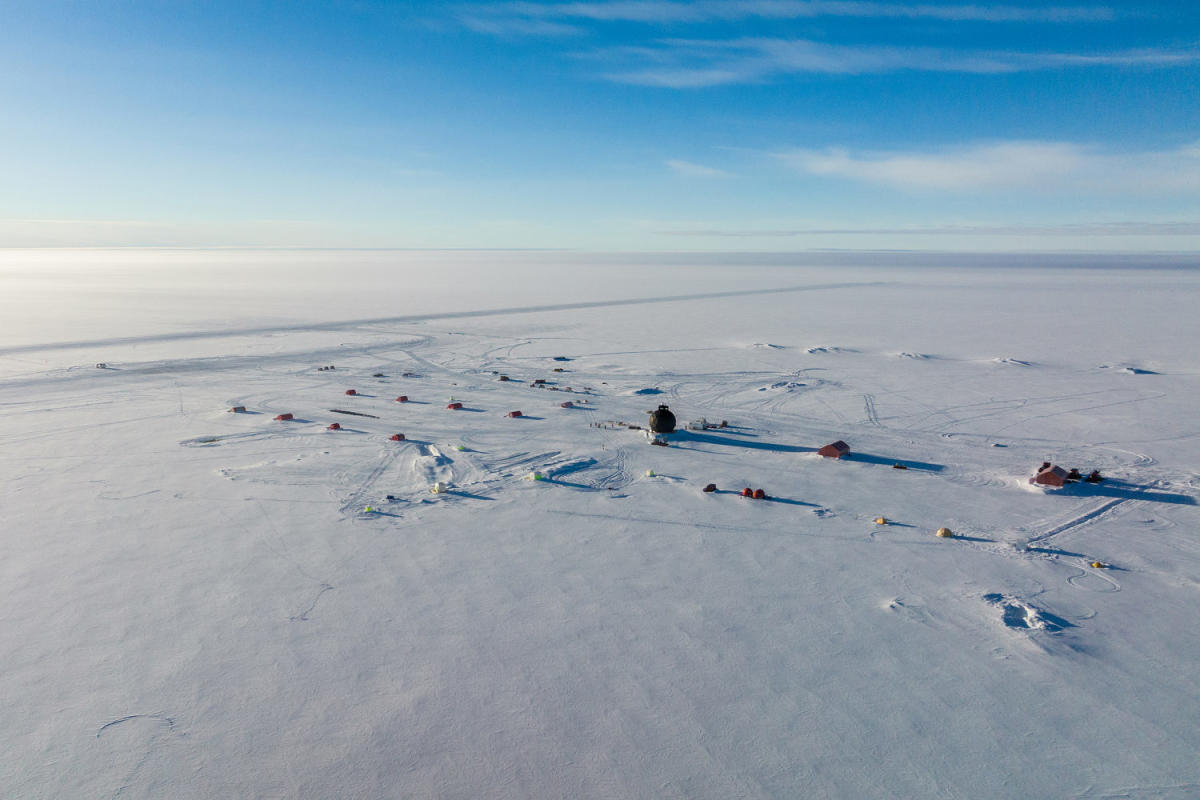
(402, 398)
(334, 426)
(238, 410)
(283, 417)
(454, 406)
(838, 449)
(1050, 476)
(396, 437)
(351, 392)
(567, 404)
(513, 414)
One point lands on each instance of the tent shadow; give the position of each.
(789, 502)
(786, 501)
(740, 430)
(887, 462)
(569, 484)
(960, 537)
(695, 436)
(469, 495)
(1126, 491)
(1054, 551)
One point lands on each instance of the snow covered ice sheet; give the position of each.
(196, 603)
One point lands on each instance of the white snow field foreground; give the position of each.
(196, 605)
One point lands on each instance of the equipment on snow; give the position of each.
(662, 420)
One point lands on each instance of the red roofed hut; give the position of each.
(454, 406)
(396, 437)
(283, 417)
(351, 392)
(513, 414)
(402, 398)
(334, 426)
(1050, 476)
(835, 450)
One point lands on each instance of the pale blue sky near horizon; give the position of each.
(631, 125)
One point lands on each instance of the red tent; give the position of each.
(334, 426)
(283, 417)
(402, 398)
(514, 414)
(455, 405)
(351, 391)
(396, 437)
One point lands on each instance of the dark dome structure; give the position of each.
(662, 420)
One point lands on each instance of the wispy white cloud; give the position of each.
(695, 63)
(514, 26)
(670, 11)
(1045, 166)
(692, 170)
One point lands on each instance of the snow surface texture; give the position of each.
(196, 604)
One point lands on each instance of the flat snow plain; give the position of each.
(195, 604)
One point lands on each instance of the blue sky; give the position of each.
(642, 124)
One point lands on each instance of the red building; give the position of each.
(835, 450)
(1050, 476)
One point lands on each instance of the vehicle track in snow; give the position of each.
(1077, 520)
(869, 409)
(389, 458)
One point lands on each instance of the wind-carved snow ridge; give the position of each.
(166, 722)
(161, 727)
(915, 356)
(1011, 362)
(1129, 369)
(817, 349)
(1021, 615)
